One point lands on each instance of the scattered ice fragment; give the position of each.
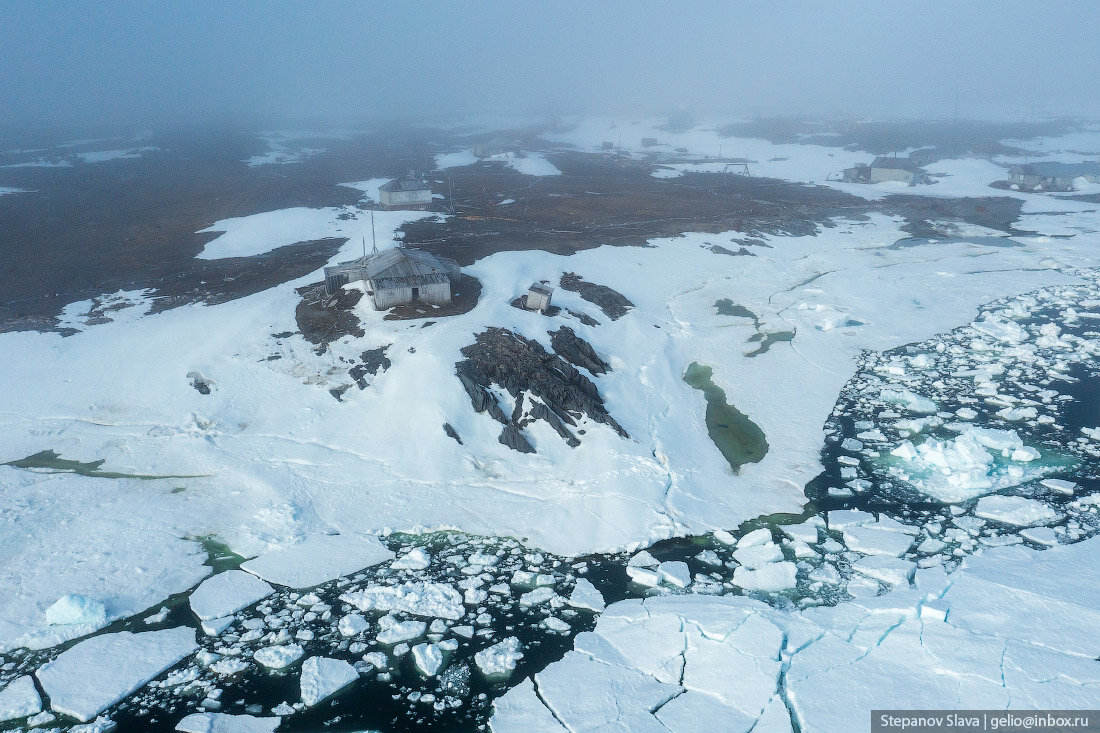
(909, 400)
(848, 517)
(318, 559)
(119, 663)
(756, 537)
(1059, 485)
(643, 576)
(415, 559)
(892, 570)
(674, 573)
(500, 659)
(19, 699)
(643, 560)
(435, 600)
(395, 632)
(1015, 510)
(724, 537)
(872, 540)
(158, 617)
(228, 666)
(224, 723)
(757, 556)
(587, 596)
(226, 593)
(428, 659)
(76, 610)
(215, 626)
(277, 657)
(378, 660)
(537, 596)
(352, 624)
(323, 677)
(774, 577)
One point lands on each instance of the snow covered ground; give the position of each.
(272, 465)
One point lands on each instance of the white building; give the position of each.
(404, 193)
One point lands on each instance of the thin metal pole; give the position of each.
(373, 240)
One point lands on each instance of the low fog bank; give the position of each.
(124, 64)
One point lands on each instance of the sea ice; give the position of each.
(757, 556)
(280, 656)
(323, 677)
(226, 593)
(19, 699)
(415, 559)
(224, 723)
(872, 540)
(318, 559)
(428, 659)
(76, 610)
(674, 573)
(772, 578)
(500, 659)
(396, 632)
(352, 624)
(432, 600)
(119, 663)
(892, 570)
(587, 596)
(1015, 510)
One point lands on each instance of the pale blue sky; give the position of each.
(150, 62)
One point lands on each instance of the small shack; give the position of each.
(538, 297)
(1053, 176)
(409, 192)
(886, 168)
(496, 146)
(397, 276)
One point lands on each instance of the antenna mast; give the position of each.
(374, 242)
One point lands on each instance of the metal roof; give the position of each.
(898, 164)
(398, 267)
(405, 184)
(541, 289)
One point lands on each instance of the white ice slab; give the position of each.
(225, 723)
(1018, 511)
(318, 559)
(119, 663)
(226, 593)
(587, 596)
(19, 699)
(323, 677)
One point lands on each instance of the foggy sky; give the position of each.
(149, 63)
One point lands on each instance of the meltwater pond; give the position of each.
(739, 439)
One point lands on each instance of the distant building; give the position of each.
(1053, 176)
(885, 168)
(397, 276)
(496, 146)
(649, 142)
(404, 193)
(538, 297)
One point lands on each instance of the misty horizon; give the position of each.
(117, 64)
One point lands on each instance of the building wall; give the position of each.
(405, 198)
(891, 174)
(433, 293)
(537, 301)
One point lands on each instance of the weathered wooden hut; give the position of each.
(538, 297)
(397, 276)
(405, 193)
